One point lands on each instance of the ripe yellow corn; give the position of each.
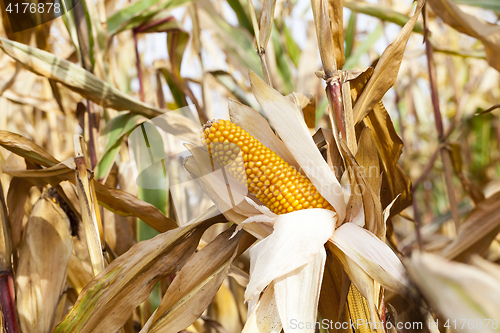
(275, 182)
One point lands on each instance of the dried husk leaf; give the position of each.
(295, 134)
(477, 231)
(16, 200)
(385, 73)
(325, 141)
(373, 256)
(265, 318)
(196, 284)
(5, 241)
(487, 33)
(307, 103)
(368, 160)
(486, 266)
(108, 300)
(297, 294)
(278, 254)
(41, 272)
(455, 290)
(78, 276)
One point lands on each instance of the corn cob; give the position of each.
(275, 182)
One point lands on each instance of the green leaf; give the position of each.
(114, 132)
(350, 34)
(237, 42)
(241, 14)
(226, 80)
(291, 46)
(138, 12)
(382, 13)
(487, 4)
(365, 46)
(283, 69)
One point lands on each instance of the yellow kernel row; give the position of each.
(275, 182)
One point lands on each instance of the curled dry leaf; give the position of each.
(41, 273)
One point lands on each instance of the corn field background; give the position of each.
(115, 216)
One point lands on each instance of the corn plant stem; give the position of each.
(334, 95)
(265, 70)
(445, 155)
(92, 135)
(427, 168)
(7, 293)
(139, 69)
(7, 302)
(417, 222)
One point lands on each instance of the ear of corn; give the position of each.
(275, 182)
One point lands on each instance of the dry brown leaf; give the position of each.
(91, 220)
(108, 300)
(197, 283)
(334, 287)
(487, 33)
(335, 10)
(325, 142)
(116, 200)
(325, 36)
(41, 272)
(26, 148)
(385, 73)
(371, 202)
(395, 181)
(477, 231)
(16, 200)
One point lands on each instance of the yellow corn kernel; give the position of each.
(275, 182)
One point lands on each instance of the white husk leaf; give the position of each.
(265, 318)
(373, 256)
(297, 295)
(294, 132)
(297, 238)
